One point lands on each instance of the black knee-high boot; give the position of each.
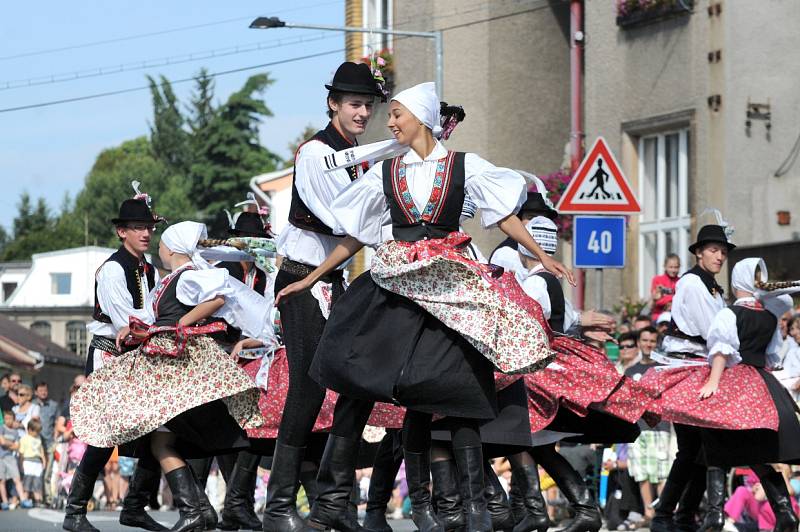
(335, 482)
(133, 513)
(779, 499)
(308, 478)
(447, 496)
(185, 494)
(587, 515)
(381, 485)
(238, 512)
(715, 491)
(418, 474)
(497, 501)
(79, 494)
(469, 461)
(200, 467)
(534, 518)
(280, 514)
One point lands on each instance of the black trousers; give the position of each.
(303, 324)
(96, 458)
(687, 477)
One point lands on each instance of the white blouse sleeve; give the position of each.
(723, 337)
(497, 192)
(361, 210)
(316, 186)
(114, 298)
(197, 286)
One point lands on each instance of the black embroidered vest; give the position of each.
(557, 302)
(130, 265)
(168, 308)
(755, 328)
(299, 214)
(442, 213)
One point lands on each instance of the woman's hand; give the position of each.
(293, 289)
(556, 268)
(708, 389)
(121, 335)
(594, 319)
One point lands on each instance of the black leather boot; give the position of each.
(75, 511)
(238, 512)
(381, 485)
(715, 492)
(533, 518)
(280, 514)
(308, 479)
(418, 475)
(497, 501)
(780, 501)
(200, 468)
(447, 497)
(515, 501)
(335, 482)
(351, 516)
(470, 480)
(587, 515)
(133, 513)
(185, 496)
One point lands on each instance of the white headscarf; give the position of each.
(423, 103)
(183, 238)
(743, 276)
(545, 232)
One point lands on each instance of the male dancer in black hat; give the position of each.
(697, 300)
(304, 244)
(121, 287)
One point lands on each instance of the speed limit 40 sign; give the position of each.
(599, 241)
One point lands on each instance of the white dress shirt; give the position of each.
(116, 301)
(361, 208)
(693, 309)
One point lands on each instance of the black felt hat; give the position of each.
(354, 78)
(535, 203)
(135, 210)
(711, 234)
(249, 224)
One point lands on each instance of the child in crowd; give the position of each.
(9, 470)
(31, 451)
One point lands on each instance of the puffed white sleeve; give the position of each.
(197, 286)
(316, 186)
(723, 337)
(536, 288)
(496, 191)
(361, 210)
(114, 298)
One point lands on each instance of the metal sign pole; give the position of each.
(599, 289)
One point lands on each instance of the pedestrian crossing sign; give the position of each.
(599, 186)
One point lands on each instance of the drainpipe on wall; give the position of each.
(576, 109)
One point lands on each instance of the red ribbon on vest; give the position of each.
(142, 333)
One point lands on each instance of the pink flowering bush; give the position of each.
(628, 7)
(556, 184)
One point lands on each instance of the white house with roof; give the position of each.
(56, 295)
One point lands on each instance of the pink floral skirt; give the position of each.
(273, 398)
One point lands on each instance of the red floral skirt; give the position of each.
(742, 401)
(273, 399)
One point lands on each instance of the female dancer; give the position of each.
(410, 330)
(746, 416)
(178, 386)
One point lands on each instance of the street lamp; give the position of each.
(263, 23)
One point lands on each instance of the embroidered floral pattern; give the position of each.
(138, 393)
(742, 401)
(441, 185)
(468, 297)
(273, 398)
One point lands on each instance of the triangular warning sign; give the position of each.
(599, 186)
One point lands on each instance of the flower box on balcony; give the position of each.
(632, 13)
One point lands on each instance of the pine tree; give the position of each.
(169, 141)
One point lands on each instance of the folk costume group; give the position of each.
(455, 360)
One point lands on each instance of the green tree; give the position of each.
(201, 104)
(168, 139)
(229, 153)
(22, 222)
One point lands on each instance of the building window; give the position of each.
(76, 337)
(377, 14)
(8, 289)
(42, 328)
(664, 192)
(60, 283)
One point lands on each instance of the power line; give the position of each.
(154, 63)
(150, 34)
(175, 82)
